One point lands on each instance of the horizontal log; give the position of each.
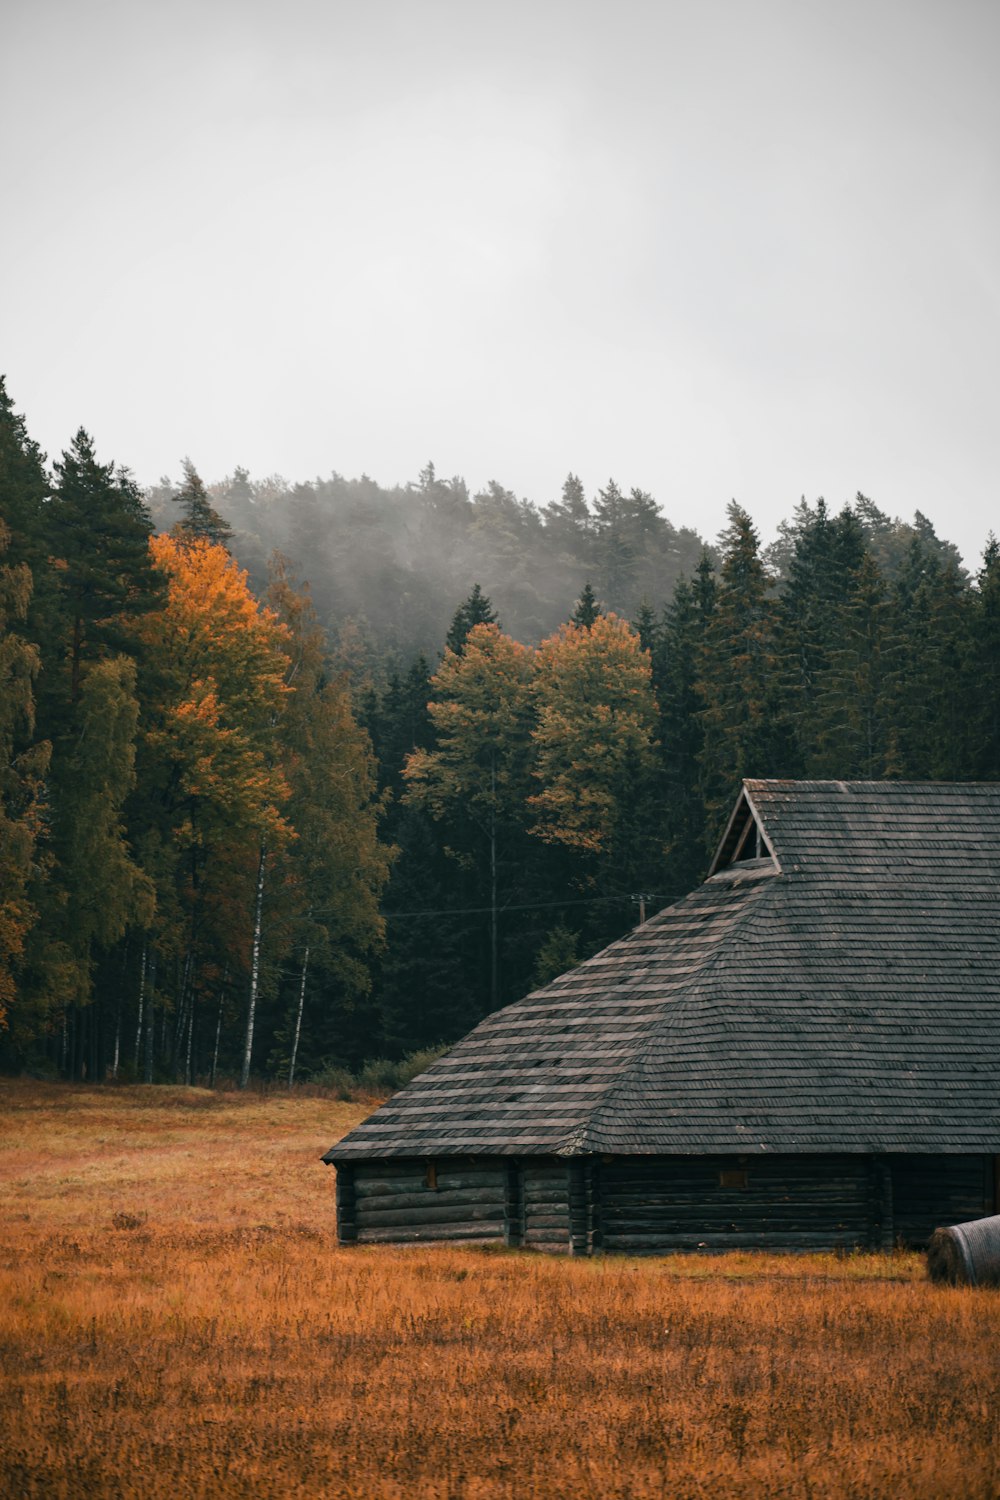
(375, 1187)
(546, 1205)
(430, 1214)
(484, 1233)
(546, 1221)
(743, 1241)
(699, 1229)
(432, 1199)
(732, 1199)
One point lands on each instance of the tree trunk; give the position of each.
(118, 1039)
(147, 1073)
(142, 998)
(298, 1018)
(118, 1016)
(188, 1074)
(258, 908)
(218, 1026)
(183, 989)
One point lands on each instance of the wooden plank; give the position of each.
(431, 1199)
(430, 1213)
(483, 1233)
(801, 1240)
(447, 1181)
(513, 1205)
(347, 1232)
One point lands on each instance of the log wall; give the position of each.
(652, 1204)
(545, 1194)
(931, 1192)
(456, 1199)
(646, 1205)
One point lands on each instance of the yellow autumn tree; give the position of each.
(594, 739)
(477, 778)
(216, 669)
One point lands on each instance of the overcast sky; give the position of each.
(716, 248)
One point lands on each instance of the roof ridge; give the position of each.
(577, 1140)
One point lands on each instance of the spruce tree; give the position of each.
(985, 648)
(200, 518)
(738, 679)
(24, 490)
(855, 735)
(476, 610)
(103, 579)
(587, 609)
(23, 764)
(823, 557)
(568, 518)
(676, 668)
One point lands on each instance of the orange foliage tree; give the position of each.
(594, 740)
(215, 789)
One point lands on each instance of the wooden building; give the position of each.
(803, 1053)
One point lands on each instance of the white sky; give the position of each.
(714, 248)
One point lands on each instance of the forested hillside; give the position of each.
(249, 826)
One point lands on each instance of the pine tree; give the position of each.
(103, 579)
(200, 520)
(738, 678)
(614, 548)
(821, 561)
(22, 770)
(476, 778)
(23, 489)
(568, 518)
(105, 890)
(855, 731)
(334, 870)
(647, 627)
(934, 693)
(476, 610)
(676, 667)
(985, 647)
(587, 609)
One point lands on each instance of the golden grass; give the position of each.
(176, 1320)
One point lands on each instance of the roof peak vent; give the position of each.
(744, 839)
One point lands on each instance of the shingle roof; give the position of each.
(842, 995)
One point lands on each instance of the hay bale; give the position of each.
(966, 1254)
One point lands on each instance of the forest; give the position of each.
(298, 777)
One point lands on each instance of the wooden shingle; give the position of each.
(836, 991)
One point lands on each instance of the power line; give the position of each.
(479, 911)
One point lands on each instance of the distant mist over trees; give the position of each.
(396, 562)
(250, 827)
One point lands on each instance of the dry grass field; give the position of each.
(176, 1320)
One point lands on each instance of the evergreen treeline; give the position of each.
(219, 854)
(394, 562)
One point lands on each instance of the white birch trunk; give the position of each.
(258, 908)
(218, 1025)
(188, 1076)
(150, 1020)
(142, 999)
(298, 1018)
